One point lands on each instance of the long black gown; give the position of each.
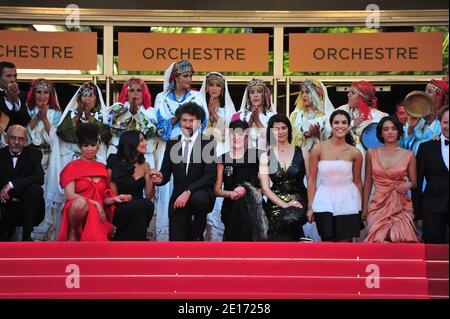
(131, 218)
(286, 224)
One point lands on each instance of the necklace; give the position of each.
(283, 150)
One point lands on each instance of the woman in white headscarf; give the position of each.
(221, 109)
(134, 111)
(310, 118)
(177, 91)
(86, 105)
(256, 110)
(45, 113)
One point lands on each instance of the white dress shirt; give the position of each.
(14, 159)
(10, 106)
(192, 140)
(444, 149)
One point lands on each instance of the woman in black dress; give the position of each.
(286, 166)
(238, 171)
(130, 174)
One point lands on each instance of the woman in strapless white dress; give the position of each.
(336, 203)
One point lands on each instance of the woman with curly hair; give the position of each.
(88, 211)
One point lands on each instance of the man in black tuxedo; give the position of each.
(12, 100)
(21, 177)
(192, 162)
(431, 204)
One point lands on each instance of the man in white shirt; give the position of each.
(191, 159)
(431, 205)
(12, 100)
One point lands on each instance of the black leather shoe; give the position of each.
(26, 236)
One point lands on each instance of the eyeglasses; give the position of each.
(16, 138)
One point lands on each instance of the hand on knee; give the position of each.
(79, 206)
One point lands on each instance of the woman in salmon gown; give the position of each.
(89, 210)
(393, 172)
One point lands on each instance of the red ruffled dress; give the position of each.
(82, 172)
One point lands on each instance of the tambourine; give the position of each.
(369, 137)
(4, 120)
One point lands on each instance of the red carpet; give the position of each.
(213, 270)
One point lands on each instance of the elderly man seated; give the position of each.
(21, 178)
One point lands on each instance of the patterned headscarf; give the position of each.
(178, 68)
(146, 96)
(367, 98)
(440, 87)
(46, 85)
(89, 89)
(266, 94)
(317, 94)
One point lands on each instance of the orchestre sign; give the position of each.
(383, 51)
(310, 52)
(207, 52)
(49, 50)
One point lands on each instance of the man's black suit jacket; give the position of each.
(431, 166)
(15, 118)
(28, 170)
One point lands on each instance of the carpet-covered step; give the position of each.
(211, 249)
(438, 287)
(215, 266)
(214, 284)
(203, 296)
(437, 269)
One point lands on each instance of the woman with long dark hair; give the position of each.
(286, 166)
(336, 203)
(130, 175)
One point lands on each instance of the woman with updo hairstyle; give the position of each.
(392, 170)
(88, 211)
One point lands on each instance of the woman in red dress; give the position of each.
(89, 209)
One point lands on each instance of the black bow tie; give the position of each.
(446, 141)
